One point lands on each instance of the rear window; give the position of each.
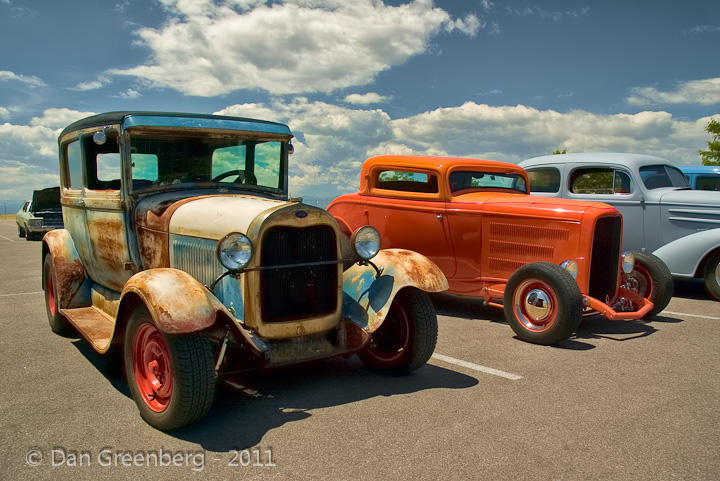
(544, 179)
(657, 176)
(407, 181)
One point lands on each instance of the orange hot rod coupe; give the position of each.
(545, 261)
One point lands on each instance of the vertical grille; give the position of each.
(196, 257)
(291, 293)
(605, 260)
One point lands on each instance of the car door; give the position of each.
(406, 208)
(93, 210)
(614, 185)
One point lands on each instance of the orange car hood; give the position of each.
(529, 205)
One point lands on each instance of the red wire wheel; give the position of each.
(152, 367)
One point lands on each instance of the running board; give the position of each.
(93, 324)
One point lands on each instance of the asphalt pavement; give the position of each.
(621, 400)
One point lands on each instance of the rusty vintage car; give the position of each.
(545, 261)
(183, 254)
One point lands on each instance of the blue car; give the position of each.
(702, 177)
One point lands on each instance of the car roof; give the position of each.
(435, 162)
(117, 117)
(630, 160)
(700, 169)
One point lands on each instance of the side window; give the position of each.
(708, 183)
(102, 162)
(407, 181)
(544, 179)
(600, 180)
(267, 167)
(74, 165)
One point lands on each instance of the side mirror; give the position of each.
(100, 137)
(290, 148)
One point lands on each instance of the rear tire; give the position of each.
(171, 377)
(542, 303)
(655, 281)
(58, 324)
(711, 273)
(407, 337)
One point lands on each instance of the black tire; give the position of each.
(58, 324)
(407, 337)
(558, 303)
(661, 287)
(21, 232)
(711, 274)
(191, 373)
(29, 236)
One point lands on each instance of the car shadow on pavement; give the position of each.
(598, 327)
(466, 307)
(690, 289)
(279, 396)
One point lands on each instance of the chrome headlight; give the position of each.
(234, 251)
(366, 242)
(628, 262)
(571, 266)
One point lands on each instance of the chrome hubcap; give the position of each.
(717, 273)
(538, 304)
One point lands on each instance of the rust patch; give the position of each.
(108, 235)
(154, 248)
(69, 276)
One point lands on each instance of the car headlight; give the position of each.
(366, 242)
(628, 262)
(571, 266)
(234, 251)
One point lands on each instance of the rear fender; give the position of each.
(73, 284)
(367, 297)
(684, 256)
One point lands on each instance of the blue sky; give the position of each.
(504, 80)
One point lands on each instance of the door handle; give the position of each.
(439, 216)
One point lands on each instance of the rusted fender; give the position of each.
(367, 299)
(73, 284)
(177, 302)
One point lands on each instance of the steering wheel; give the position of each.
(224, 175)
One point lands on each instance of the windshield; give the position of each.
(203, 160)
(464, 179)
(656, 176)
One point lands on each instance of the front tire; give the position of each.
(711, 273)
(171, 377)
(57, 322)
(406, 339)
(21, 232)
(542, 303)
(655, 281)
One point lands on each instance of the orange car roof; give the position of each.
(440, 164)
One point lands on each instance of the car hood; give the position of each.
(530, 205)
(214, 217)
(46, 199)
(687, 197)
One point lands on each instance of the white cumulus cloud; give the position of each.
(100, 82)
(365, 99)
(703, 92)
(209, 48)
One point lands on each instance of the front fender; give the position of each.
(73, 284)
(178, 303)
(367, 299)
(683, 256)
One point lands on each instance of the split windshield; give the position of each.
(160, 160)
(465, 180)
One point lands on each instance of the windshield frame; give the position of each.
(225, 187)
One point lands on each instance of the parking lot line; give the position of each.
(691, 315)
(21, 294)
(7, 238)
(477, 367)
